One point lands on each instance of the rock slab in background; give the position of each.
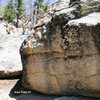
(10, 62)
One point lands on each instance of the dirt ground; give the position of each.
(5, 88)
(12, 89)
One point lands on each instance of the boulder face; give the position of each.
(10, 62)
(65, 60)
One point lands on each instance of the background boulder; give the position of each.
(10, 62)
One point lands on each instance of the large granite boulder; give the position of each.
(10, 62)
(62, 58)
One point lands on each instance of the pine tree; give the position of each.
(43, 7)
(40, 9)
(20, 9)
(9, 12)
(14, 10)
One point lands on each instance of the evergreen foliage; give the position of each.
(9, 13)
(43, 7)
(14, 11)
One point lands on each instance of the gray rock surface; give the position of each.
(10, 62)
(64, 59)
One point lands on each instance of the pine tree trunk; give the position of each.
(36, 8)
(18, 9)
(0, 3)
(36, 15)
(31, 13)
